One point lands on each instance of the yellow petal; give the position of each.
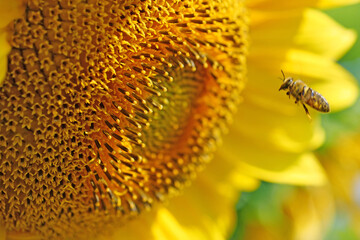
(274, 166)
(335, 3)
(264, 20)
(307, 30)
(224, 177)
(304, 170)
(9, 10)
(274, 127)
(333, 41)
(4, 50)
(183, 219)
(311, 211)
(269, 4)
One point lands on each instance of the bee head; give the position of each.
(286, 82)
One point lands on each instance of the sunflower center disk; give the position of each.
(109, 107)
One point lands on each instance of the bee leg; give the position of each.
(307, 111)
(288, 93)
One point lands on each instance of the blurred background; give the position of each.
(277, 211)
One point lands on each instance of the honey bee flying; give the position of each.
(302, 93)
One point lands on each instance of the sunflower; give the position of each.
(109, 108)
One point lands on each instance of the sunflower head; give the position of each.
(109, 107)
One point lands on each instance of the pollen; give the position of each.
(110, 107)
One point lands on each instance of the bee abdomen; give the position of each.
(316, 100)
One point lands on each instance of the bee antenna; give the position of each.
(283, 74)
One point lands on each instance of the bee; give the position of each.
(302, 93)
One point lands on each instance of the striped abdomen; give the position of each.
(315, 100)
